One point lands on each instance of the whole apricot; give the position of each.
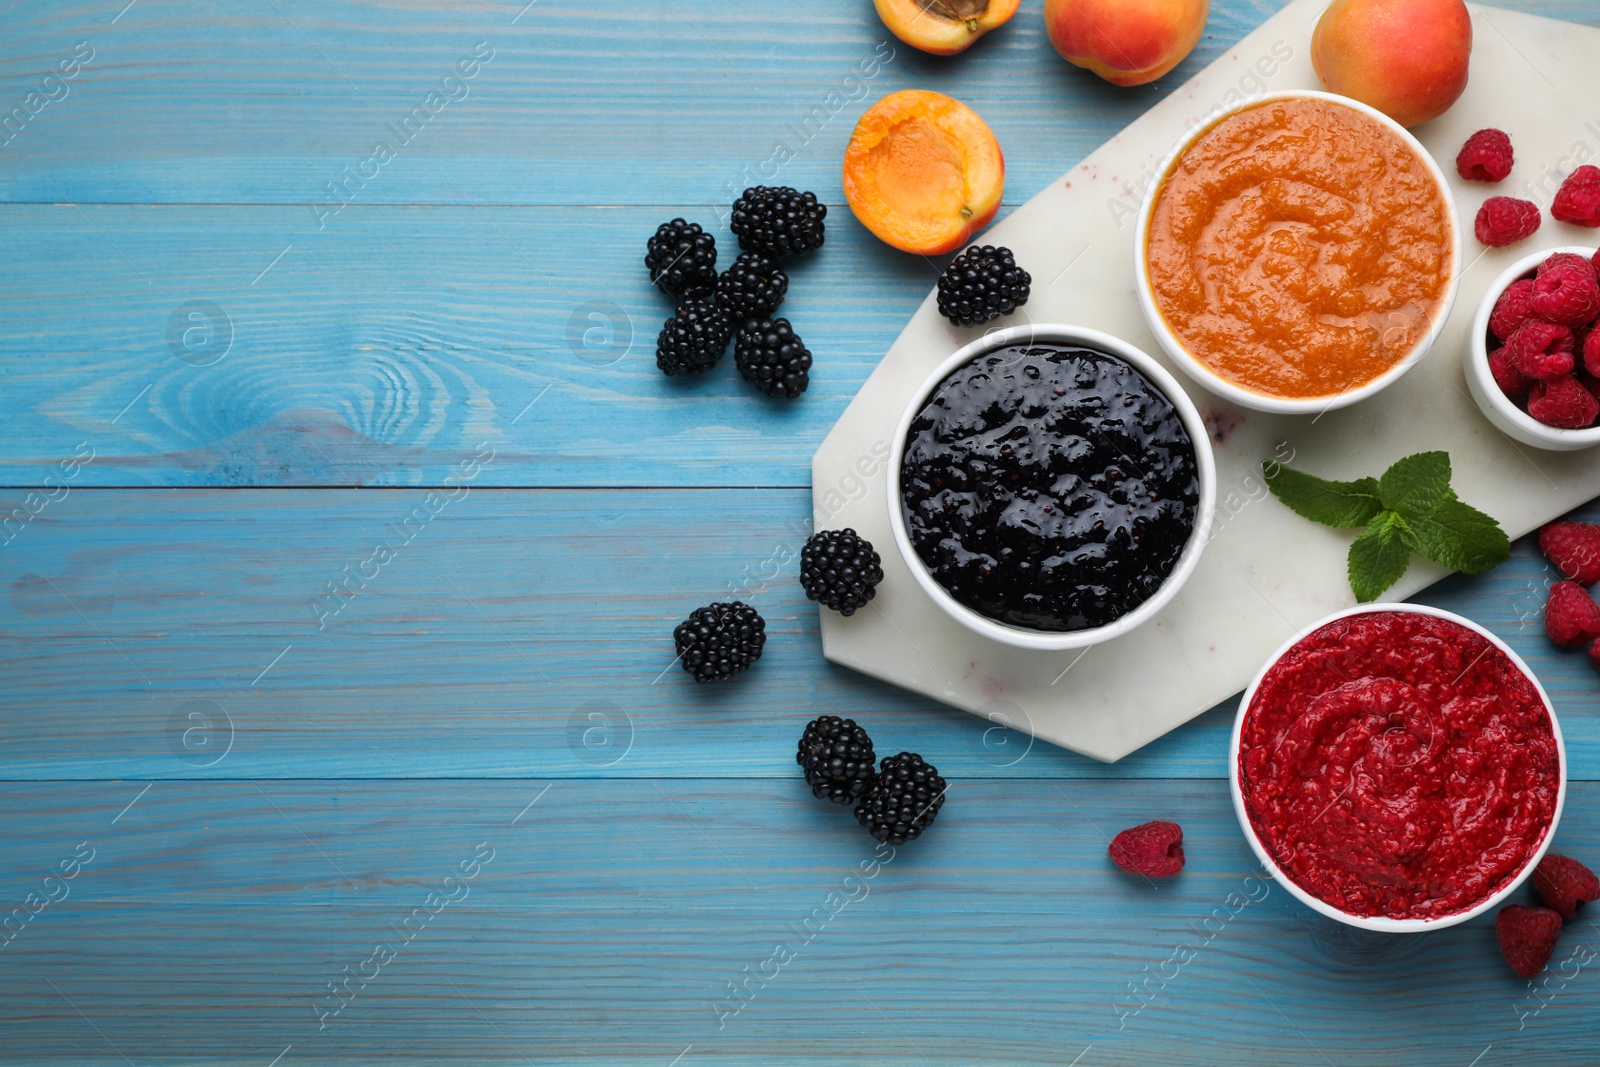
(1407, 58)
(923, 172)
(944, 27)
(1126, 42)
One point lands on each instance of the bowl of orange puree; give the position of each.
(1299, 252)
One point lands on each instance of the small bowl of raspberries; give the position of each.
(1534, 365)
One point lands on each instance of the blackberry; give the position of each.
(837, 757)
(693, 339)
(683, 259)
(772, 358)
(980, 284)
(840, 570)
(778, 221)
(752, 288)
(903, 801)
(718, 641)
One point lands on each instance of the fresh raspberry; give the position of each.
(1594, 655)
(1541, 350)
(1563, 403)
(1511, 381)
(1563, 883)
(1571, 617)
(1578, 199)
(1512, 309)
(1505, 220)
(1486, 157)
(1153, 849)
(1567, 292)
(1574, 549)
(1557, 260)
(1527, 937)
(1586, 350)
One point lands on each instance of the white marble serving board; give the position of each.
(1266, 572)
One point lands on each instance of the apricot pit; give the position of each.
(944, 27)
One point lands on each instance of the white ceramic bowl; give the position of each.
(1204, 375)
(1382, 923)
(1498, 408)
(1205, 470)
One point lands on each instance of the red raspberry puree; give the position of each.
(1399, 765)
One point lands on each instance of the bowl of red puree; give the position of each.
(1397, 768)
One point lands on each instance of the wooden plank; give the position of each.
(609, 919)
(385, 352)
(386, 349)
(605, 102)
(511, 633)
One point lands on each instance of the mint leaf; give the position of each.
(1416, 485)
(1410, 509)
(1343, 504)
(1461, 537)
(1378, 557)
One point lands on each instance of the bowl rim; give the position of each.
(1478, 357)
(1382, 923)
(1204, 375)
(1205, 473)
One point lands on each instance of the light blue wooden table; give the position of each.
(237, 351)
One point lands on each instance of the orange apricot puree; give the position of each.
(1299, 249)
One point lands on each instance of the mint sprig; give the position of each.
(1411, 509)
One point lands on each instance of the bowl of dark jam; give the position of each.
(1051, 486)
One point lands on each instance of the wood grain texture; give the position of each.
(385, 349)
(512, 633)
(612, 916)
(599, 102)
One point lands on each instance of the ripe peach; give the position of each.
(1407, 58)
(943, 27)
(1126, 42)
(923, 172)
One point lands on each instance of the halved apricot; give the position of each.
(943, 27)
(923, 172)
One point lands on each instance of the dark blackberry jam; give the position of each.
(1050, 487)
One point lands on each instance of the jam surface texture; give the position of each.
(1399, 765)
(1300, 249)
(1049, 487)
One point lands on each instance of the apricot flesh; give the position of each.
(1126, 42)
(944, 27)
(1407, 58)
(923, 172)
